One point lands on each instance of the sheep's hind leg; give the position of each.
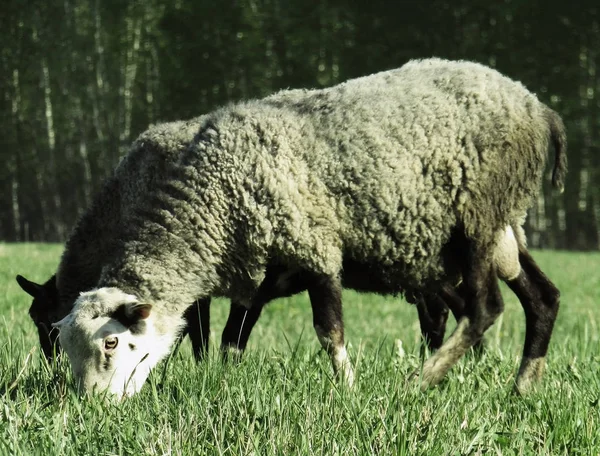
(197, 317)
(540, 300)
(483, 303)
(454, 297)
(433, 314)
(326, 301)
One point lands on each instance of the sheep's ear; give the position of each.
(130, 314)
(138, 311)
(31, 288)
(60, 323)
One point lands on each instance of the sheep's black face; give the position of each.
(43, 312)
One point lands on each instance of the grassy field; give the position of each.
(282, 399)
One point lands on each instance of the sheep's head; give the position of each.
(44, 311)
(111, 341)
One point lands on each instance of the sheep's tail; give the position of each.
(559, 141)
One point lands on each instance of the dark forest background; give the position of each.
(80, 79)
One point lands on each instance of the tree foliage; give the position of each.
(80, 79)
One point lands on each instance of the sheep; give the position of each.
(94, 232)
(414, 173)
(92, 239)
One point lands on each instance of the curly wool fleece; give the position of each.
(92, 240)
(380, 169)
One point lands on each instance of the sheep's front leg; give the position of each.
(326, 300)
(540, 300)
(239, 325)
(483, 303)
(197, 317)
(278, 282)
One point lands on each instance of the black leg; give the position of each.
(326, 301)
(198, 327)
(279, 282)
(483, 303)
(433, 314)
(540, 300)
(239, 325)
(454, 297)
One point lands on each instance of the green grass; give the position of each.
(282, 399)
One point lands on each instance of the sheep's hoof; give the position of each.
(428, 383)
(529, 375)
(348, 378)
(345, 374)
(433, 373)
(230, 353)
(523, 388)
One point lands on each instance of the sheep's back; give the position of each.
(380, 169)
(408, 154)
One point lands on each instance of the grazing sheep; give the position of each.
(92, 240)
(413, 173)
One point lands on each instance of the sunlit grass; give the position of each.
(282, 399)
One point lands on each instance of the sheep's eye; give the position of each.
(110, 343)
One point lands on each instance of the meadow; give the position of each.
(282, 399)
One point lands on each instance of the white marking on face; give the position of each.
(108, 352)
